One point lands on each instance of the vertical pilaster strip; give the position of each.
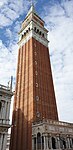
(23, 100)
(15, 114)
(19, 111)
(1, 139)
(44, 143)
(25, 103)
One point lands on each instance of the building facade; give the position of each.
(5, 101)
(52, 134)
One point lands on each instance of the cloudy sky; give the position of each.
(58, 17)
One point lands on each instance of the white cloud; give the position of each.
(8, 33)
(59, 19)
(4, 21)
(11, 10)
(2, 2)
(8, 61)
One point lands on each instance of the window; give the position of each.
(34, 143)
(37, 98)
(53, 143)
(42, 142)
(22, 35)
(37, 30)
(26, 31)
(43, 35)
(38, 114)
(35, 53)
(29, 29)
(0, 106)
(34, 28)
(40, 33)
(36, 84)
(36, 72)
(38, 141)
(35, 62)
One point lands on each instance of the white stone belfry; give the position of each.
(33, 26)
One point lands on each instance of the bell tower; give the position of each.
(34, 92)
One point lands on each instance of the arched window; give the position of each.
(0, 106)
(38, 140)
(53, 143)
(42, 142)
(35, 29)
(26, 31)
(40, 33)
(34, 143)
(64, 143)
(22, 35)
(29, 28)
(72, 141)
(43, 35)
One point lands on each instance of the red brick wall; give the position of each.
(46, 104)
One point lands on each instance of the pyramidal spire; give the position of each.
(31, 10)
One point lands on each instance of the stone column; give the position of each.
(68, 142)
(47, 142)
(36, 142)
(58, 142)
(44, 143)
(50, 142)
(41, 142)
(5, 111)
(32, 143)
(71, 142)
(8, 110)
(1, 139)
(4, 141)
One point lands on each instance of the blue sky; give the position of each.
(58, 17)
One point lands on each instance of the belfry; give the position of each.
(34, 99)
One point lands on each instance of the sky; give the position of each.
(58, 17)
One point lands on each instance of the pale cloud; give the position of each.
(11, 10)
(8, 33)
(59, 21)
(2, 2)
(9, 13)
(4, 21)
(8, 61)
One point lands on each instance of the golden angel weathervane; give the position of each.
(32, 2)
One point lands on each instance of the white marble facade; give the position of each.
(5, 101)
(49, 134)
